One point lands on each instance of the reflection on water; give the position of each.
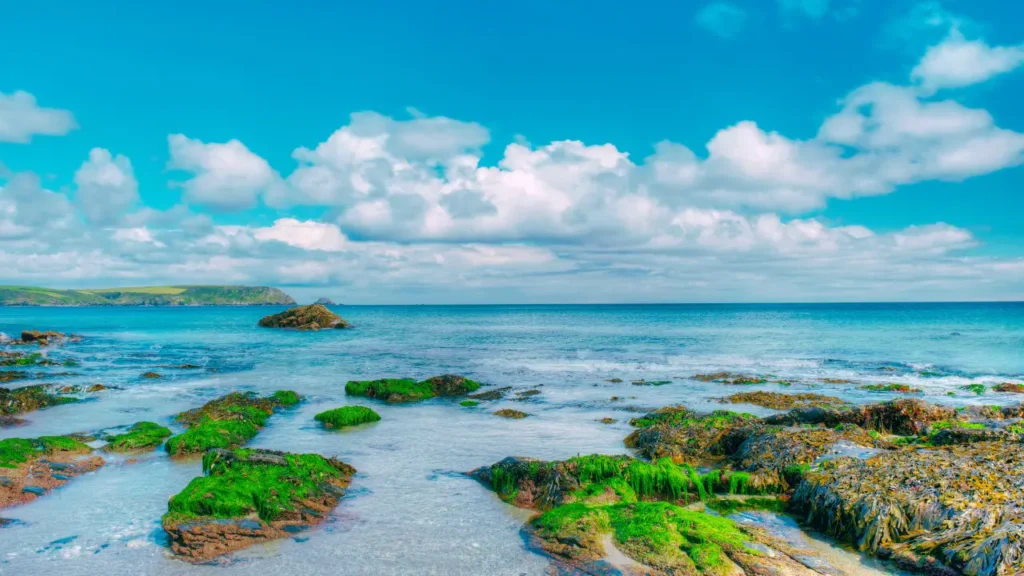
(410, 510)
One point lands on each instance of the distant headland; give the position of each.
(146, 296)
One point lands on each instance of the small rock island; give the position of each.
(312, 317)
(323, 301)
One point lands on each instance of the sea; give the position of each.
(411, 509)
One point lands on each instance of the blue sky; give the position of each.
(660, 151)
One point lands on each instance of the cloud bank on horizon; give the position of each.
(410, 210)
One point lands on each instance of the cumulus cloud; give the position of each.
(21, 118)
(957, 62)
(226, 176)
(721, 18)
(106, 186)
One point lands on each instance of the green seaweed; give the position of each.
(286, 398)
(469, 403)
(409, 390)
(15, 451)
(347, 416)
(978, 389)
(142, 435)
(727, 506)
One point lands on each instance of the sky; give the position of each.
(398, 152)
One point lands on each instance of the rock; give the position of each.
(777, 401)
(495, 394)
(678, 433)
(96, 388)
(227, 422)
(11, 422)
(1011, 387)
(905, 416)
(29, 398)
(271, 495)
(141, 436)
(41, 338)
(313, 317)
(397, 390)
(325, 302)
(603, 513)
(607, 420)
(509, 413)
(34, 467)
(151, 375)
(730, 378)
(954, 510)
(347, 416)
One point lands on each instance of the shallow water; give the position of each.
(409, 510)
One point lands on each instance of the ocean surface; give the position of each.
(410, 509)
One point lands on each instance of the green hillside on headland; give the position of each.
(145, 296)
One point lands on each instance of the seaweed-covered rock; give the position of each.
(43, 338)
(346, 416)
(955, 510)
(409, 390)
(141, 436)
(31, 467)
(904, 416)
(1010, 387)
(250, 496)
(616, 514)
(227, 422)
(659, 539)
(510, 413)
(29, 398)
(897, 388)
(493, 394)
(686, 437)
(730, 378)
(776, 457)
(313, 317)
(777, 401)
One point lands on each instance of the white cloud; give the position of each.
(226, 176)
(957, 62)
(21, 118)
(308, 235)
(721, 18)
(106, 186)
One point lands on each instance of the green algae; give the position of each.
(16, 451)
(777, 401)
(209, 433)
(469, 403)
(730, 378)
(244, 482)
(141, 436)
(727, 506)
(900, 388)
(286, 398)
(978, 389)
(347, 416)
(409, 390)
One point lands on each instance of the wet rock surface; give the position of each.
(250, 496)
(30, 398)
(313, 317)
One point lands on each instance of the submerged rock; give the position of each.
(227, 422)
(408, 390)
(30, 398)
(953, 510)
(250, 496)
(509, 413)
(32, 467)
(730, 378)
(494, 394)
(313, 317)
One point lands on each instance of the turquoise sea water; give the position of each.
(410, 510)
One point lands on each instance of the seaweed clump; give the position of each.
(777, 401)
(954, 510)
(141, 436)
(227, 422)
(1011, 387)
(903, 416)
(346, 416)
(898, 388)
(397, 390)
(730, 378)
(30, 398)
(250, 496)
